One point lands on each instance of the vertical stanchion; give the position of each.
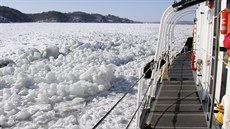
(228, 80)
(139, 98)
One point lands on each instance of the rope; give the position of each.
(99, 122)
(139, 105)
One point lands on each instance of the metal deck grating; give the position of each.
(178, 105)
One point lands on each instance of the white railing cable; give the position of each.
(114, 106)
(145, 95)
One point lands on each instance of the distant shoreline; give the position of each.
(8, 15)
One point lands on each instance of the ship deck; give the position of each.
(177, 106)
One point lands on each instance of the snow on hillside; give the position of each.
(68, 75)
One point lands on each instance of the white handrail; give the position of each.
(164, 31)
(171, 38)
(178, 17)
(161, 36)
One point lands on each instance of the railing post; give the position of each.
(164, 75)
(228, 80)
(139, 98)
(155, 77)
(226, 119)
(151, 91)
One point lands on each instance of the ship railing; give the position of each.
(165, 37)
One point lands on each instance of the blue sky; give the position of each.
(138, 10)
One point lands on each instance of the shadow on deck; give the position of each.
(177, 106)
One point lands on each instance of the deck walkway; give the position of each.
(178, 105)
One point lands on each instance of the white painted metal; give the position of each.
(220, 62)
(171, 30)
(226, 118)
(171, 27)
(203, 49)
(178, 17)
(171, 23)
(228, 80)
(161, 34)
(162, 40)
(139, 98)
(161, 37)
(203, 42)
(208, 52)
